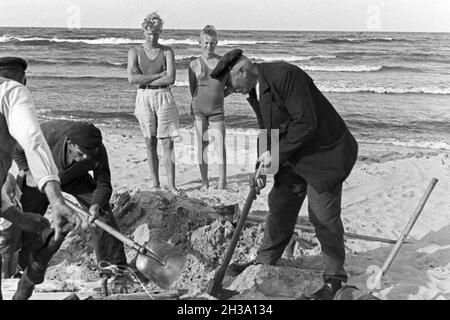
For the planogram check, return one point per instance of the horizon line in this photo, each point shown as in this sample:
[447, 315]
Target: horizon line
[267, 30]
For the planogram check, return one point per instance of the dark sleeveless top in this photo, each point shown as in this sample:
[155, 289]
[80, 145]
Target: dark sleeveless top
[148, 66]
[209, 97]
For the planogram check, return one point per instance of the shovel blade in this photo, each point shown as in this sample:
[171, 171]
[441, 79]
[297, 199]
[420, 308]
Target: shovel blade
[164, 275]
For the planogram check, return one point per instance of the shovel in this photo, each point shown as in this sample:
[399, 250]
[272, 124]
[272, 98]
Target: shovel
[158, 261]
[215, 285]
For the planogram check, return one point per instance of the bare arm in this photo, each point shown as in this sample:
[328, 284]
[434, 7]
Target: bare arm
[171, 71]
[135, 75]
[192, 79]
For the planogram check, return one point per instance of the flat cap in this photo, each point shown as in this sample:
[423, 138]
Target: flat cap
[14, 62]
[84, 134]
[225, 64]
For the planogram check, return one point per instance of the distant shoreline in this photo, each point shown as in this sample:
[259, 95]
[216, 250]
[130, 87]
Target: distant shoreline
[235, 30]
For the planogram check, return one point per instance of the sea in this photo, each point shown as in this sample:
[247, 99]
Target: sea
[390, 88]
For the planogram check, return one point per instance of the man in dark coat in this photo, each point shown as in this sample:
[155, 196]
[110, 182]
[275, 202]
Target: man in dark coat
[316, 153]
[77, 149]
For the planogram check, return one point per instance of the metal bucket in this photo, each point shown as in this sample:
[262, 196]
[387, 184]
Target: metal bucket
[353, 293]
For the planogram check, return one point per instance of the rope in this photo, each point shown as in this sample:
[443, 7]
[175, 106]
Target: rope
[119, 269]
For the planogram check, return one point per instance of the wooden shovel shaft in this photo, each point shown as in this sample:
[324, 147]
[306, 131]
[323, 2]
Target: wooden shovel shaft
[116, 234]
[407, 229]
[220, 274]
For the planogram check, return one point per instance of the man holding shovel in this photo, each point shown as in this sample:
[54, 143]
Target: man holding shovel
[316, 154]
[77, 149]
[19, 126]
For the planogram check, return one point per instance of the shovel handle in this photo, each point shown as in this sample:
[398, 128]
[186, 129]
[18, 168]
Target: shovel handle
[116, 234]
[406, 231]
[220, 273]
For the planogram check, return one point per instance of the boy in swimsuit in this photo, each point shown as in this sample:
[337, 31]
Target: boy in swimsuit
[152, 67]
[207, 105]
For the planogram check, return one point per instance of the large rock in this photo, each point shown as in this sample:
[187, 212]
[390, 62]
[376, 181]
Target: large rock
[273, 281]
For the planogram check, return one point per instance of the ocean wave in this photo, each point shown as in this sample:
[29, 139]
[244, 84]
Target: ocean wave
[437, 145]
[356, 40]
[120, 41]
[291, 58]
[77, 62]
[385, 90]
[325, 87]
[182, 61]
[181, 83]
[357, 68]
[43, 41]
[243, 42]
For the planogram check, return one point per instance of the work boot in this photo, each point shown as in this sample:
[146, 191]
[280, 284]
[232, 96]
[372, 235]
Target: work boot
[328, 290]
[104, 286]
[118, 284]
[24, 288]
[236, 269]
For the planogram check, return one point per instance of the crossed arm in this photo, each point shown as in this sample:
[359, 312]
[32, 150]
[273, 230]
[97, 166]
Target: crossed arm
[135, 75]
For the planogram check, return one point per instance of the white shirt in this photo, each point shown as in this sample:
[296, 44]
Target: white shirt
[257, 89]
[17, 106]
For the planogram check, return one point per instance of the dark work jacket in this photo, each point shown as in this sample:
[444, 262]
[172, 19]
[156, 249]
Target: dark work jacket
[77, 172]
[313, 139]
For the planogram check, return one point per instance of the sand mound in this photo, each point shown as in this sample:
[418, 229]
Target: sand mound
[196, 228]
[378, 199]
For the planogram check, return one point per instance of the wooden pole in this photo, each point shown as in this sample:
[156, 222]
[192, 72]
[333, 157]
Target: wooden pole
[412, 220]
[116, 234]
[346, 234]
[215, 285]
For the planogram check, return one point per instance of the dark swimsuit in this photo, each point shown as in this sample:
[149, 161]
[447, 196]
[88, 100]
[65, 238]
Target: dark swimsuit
[208, 99]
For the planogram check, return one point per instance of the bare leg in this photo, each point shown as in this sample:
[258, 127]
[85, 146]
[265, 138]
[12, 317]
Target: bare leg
[201, 126]
[9, 268]
[219, 131]
[153, 161]
[169, 164]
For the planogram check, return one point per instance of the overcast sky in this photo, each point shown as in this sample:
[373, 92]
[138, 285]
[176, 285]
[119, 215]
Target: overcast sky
[334, 15]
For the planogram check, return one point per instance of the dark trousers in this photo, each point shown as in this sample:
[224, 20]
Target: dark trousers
[285, 200]
[106, 247]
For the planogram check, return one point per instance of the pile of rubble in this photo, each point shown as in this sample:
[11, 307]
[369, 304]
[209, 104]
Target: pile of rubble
[201, 231]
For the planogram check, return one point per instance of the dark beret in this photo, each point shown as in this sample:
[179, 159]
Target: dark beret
[225, 64]
[13, 62]
[87, 136]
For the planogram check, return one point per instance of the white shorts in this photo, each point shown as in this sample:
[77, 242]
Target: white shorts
[157, 113]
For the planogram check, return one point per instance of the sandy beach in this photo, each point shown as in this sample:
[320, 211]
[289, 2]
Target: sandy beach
[378, 199]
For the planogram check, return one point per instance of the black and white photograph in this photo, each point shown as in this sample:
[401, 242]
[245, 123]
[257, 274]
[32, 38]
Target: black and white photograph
[225, 152]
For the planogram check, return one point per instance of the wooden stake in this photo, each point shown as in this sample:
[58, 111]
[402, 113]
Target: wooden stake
[412, 220]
